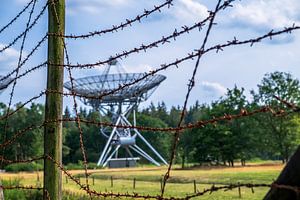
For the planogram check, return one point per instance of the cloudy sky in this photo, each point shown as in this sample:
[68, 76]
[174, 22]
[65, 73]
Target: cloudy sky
[243, 66]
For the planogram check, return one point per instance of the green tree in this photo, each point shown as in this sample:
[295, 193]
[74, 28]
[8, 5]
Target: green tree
[281, 131]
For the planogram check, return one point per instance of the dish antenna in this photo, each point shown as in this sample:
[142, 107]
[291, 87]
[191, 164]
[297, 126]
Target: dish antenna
[4, 83]
[119, 104]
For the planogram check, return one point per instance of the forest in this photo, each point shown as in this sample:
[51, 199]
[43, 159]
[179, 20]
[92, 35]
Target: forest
[262, 136]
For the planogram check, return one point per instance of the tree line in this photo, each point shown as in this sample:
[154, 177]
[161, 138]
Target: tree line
[263, 136]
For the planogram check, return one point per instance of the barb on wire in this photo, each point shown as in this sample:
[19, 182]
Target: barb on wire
[17, 71]
[27, 29]
[163, 40]
[198, 124]
[115, 28]
[196, 53]
[21, 161]
[42, 65]
[75, 105]
[22, 106]
[290, 105]
[26, 188]
[26, 58]
[190, 87]
[16, 17]
[19, 134]
[192, 55]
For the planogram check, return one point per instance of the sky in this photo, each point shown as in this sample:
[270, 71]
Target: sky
[243, 66]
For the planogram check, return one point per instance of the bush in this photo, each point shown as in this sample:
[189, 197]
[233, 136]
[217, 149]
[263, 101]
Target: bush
[74, 166]
[20, 194]
[29, 167]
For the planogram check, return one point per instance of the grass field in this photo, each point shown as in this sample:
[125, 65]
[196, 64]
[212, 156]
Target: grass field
[180, 183]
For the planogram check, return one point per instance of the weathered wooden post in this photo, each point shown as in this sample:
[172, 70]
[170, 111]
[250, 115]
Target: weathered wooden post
[1, 192]
[53, 107]
[134, 183]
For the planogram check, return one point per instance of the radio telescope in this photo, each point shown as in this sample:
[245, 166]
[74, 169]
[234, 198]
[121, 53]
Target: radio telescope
[4, 83]
[119, 105]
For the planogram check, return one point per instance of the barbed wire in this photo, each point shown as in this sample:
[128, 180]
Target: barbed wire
[198, 124]
[16, 17]
[190, 56]
[177, 130]
[17, 71]
[189, 90]
[21, 161]
[27, 29]
[115, 28]
[26, 188]
[288, 104]
[31, 53]
[75, 105]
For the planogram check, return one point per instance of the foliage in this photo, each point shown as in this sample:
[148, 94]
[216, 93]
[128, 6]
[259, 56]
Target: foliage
[20, 194]
[28, 167]
[262, 136]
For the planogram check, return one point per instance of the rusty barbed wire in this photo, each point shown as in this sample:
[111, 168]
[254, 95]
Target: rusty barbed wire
[191, 55]
[198, 124]
[75, 106]
[115, 28]
[21, 161]
[189, 90]
[26, 58]
[27, 29]
[288, 104]
[17, 72]
[26, 188]
[195, 54]
[240, 185]
[210, 190]
[19, 134]
[163, 40]
[16, 17]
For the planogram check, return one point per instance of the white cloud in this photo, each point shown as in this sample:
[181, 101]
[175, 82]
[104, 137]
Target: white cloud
[8, 57]
[142, 68]
[213, 89]
[22, 1]
[267, 13]
[190, 10]
[8, 54]
[93, 6]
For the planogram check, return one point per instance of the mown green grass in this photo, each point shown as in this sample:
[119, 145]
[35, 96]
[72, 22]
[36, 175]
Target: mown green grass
[179, 185]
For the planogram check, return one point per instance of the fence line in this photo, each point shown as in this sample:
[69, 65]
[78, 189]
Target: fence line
[115, 28]
[16, 17]
[196, 54]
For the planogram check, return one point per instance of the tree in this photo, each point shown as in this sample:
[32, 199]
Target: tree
[281, 131]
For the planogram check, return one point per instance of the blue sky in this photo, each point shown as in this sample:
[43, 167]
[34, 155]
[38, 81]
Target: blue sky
[242, 66]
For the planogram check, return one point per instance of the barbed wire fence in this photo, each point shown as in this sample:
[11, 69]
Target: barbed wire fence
[14, 75]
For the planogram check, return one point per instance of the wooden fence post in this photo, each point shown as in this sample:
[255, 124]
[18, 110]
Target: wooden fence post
[195, 187]
[161, 184]
[53, 106]
[134, 183]
[111, 182]
[1, 192]
[240, 194]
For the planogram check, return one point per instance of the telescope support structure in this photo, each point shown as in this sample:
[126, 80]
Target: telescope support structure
[124, 135]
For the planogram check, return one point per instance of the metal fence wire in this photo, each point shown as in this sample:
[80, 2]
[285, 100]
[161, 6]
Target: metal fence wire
[205, 25]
